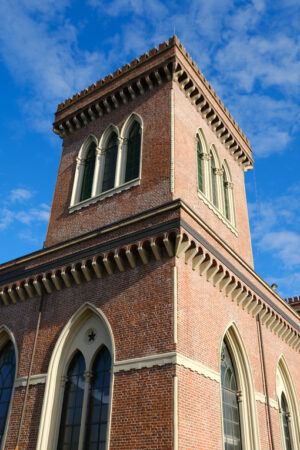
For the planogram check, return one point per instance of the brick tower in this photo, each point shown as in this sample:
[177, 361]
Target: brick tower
[141, 323]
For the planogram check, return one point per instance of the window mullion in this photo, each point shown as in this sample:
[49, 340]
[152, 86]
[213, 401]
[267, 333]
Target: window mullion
[97, 173]
[88, 376]
[119, 165]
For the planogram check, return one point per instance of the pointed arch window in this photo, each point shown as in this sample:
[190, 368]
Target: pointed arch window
[200, 166]
[226, 197]
[88, 174]
[133, 152]
[285, 422]
[230, 406]
[72, 404]
[96, 426]
[288, 408]
[7, 377]
[110, 163]
[213, 180]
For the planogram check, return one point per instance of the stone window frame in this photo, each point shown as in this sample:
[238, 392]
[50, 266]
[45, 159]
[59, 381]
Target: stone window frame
[246, 392]
[206, 194]
[285, 385]
[72, 339]
[6, 335]
[119, 184]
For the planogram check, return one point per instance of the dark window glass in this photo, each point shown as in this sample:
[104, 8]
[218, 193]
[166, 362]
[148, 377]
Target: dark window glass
[110, 162]
[7, 376]
[96, 426]
[213, 180]
[88, 174]
[133, 153]
[72, 405]
[225, 189]
[200, 168]
[285, 423]
[230, 407]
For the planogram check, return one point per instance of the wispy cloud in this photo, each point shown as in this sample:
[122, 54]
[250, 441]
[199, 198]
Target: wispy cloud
[275, 232]
[18, 208]
[44, 54]
[19, 195]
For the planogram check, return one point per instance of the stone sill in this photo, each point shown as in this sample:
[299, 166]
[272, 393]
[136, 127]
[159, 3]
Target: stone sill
[218, 213]
[106, 194]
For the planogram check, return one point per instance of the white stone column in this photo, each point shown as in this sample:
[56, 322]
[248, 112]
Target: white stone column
[87, 376]
[219, 188]
[205, 157]
[121, 161]
[229, 186]
[75, 197]
[97, 181]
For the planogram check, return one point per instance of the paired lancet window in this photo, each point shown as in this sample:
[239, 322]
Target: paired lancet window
[85, 405]
[214, 180]
[230, 405]
[240, 429]
[113, 162]
[288, 408]
[7, 378]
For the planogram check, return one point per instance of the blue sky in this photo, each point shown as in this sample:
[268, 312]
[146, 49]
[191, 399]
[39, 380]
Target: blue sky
[248, 50]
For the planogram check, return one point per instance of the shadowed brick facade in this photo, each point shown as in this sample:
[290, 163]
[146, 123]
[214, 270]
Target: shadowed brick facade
[157, 266]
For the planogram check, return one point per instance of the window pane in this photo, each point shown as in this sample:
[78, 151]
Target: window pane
[110, 162]
[72, 405]
[88, 174]
[98, 402]
[200, 168]
[213, 179]
[285, 424]
[133, 153]
[225, 190]
[230, 406]
[7, 376]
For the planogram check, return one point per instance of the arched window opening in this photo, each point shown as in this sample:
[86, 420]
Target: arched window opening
[72, 404]
[226, 197]
[110, 162]
[98, 408]
[213, 179]
[285, 423]
[133, 153]
[88, 174]
[7, 377]
[230, 406]
[199, 166]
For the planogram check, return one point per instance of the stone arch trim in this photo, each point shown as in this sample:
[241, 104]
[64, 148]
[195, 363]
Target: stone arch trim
[111, 128]
[79, 171]
[134, 117]
[285, 385]
[248, 412]
[52, 404]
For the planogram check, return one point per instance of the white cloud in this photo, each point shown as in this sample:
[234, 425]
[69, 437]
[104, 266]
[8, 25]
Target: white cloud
[44, 55]
[6, 218]
[283, 244]
[19, 195]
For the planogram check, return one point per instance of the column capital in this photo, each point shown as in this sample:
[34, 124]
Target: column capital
[205, 156]
[80, 161]
[88, 376]
[229, 184]
[239, 396]
[218, 171]
[63, 380]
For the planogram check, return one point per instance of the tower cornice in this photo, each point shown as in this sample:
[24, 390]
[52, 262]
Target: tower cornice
[169, 63]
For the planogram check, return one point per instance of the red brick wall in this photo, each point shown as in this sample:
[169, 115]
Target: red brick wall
[204, 313]
[187, 123]
[154, 109]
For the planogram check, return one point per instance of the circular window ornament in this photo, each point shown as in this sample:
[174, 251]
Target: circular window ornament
[90, 336]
